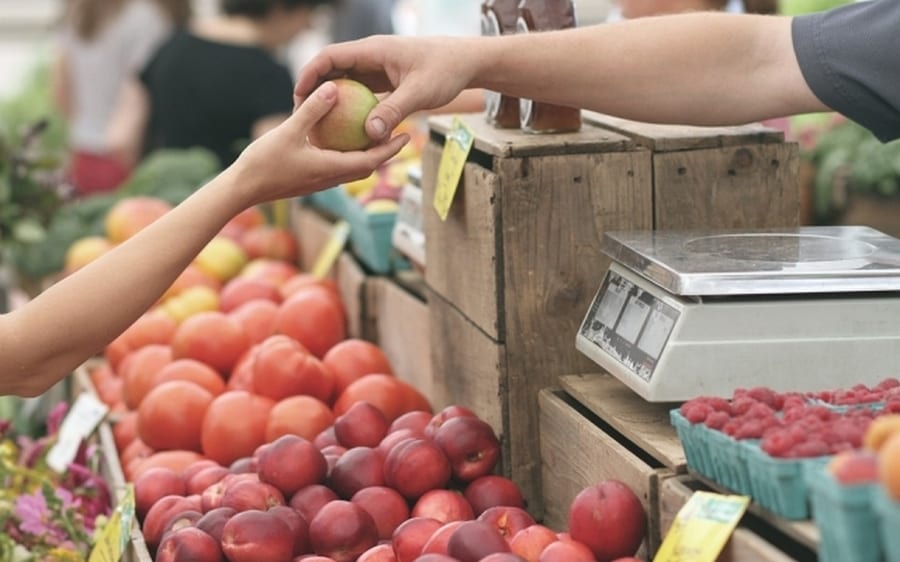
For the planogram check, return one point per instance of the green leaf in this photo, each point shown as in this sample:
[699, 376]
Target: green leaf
[29, 231]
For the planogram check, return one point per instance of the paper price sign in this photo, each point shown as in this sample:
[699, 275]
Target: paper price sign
[702, 528]
[453, 160]
[80, 422]
[333, 248]
[113, 538]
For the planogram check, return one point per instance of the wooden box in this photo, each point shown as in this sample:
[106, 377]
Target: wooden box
[513, 269]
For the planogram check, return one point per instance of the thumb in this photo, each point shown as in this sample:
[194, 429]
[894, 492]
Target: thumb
[390, 111]
[315, 106]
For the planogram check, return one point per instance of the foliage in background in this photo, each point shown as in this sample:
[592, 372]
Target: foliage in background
[850, 157]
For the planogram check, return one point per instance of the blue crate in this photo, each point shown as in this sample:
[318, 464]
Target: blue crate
[332, 200]
[846, 518]
[888, 512]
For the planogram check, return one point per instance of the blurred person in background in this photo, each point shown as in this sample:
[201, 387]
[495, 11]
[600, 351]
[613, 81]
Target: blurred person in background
[631, 9]
[355, 19]
[216, 84]
[101, 44]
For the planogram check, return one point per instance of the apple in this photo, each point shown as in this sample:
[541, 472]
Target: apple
[473, 540]
[189, 543]
[290, 463]
[416, 466]
[363, 425]
[309, 500]
[492, 490]
[443, 505]
[531, 541]
[343, 128]
[342, 530]
[448, 413]
[386, 506]
[410, 537]
[213, 522]
[251, 536]
[155, 483]
[471, 446]
[507, 520]
[358, 468]
[609, 519]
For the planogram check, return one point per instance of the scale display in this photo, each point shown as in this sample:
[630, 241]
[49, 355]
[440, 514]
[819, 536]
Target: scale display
[682, 314]
[630, 324]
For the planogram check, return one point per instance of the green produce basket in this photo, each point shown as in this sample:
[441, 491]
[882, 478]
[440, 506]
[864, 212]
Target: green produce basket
[779, 485]
[693, 440]
[888, 512]
[332, 200]
[846, 518]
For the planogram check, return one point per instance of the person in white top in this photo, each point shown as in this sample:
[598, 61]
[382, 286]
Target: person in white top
[101, 44]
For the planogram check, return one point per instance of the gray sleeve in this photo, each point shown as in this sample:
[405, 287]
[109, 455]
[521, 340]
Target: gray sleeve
[850, 57]
[146, 27]
[355, 19]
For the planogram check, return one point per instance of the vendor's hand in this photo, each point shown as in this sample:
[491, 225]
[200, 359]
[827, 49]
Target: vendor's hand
[418, 74]
[282, 163]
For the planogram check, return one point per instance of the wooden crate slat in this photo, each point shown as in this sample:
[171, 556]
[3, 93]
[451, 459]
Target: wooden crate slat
[668, 138]
[645, 423]
[513, 142]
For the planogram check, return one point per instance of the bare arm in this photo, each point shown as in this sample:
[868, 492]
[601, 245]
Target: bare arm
[51, 335]
[61, 85]
[699, 69]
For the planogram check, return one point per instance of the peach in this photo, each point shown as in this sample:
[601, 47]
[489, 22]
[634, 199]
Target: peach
[566, 551]
[609, 519]
[386, 506]
[189, 543]
[180, 521]
[363, 425]
[213, 522]
[433, 557]
[244, 496]
[271, 242]
[471, 446]
[448, 413]
[378, 553]
[531, 541]
[309, 500]
[83, 251]
[414, 421]
[276, 271]
[502, 557]
[358, 468]
[492, 490]
[342, 530]
[252, 536]
[202, 480]
[439, 540]
[507, 520]
[163, 510]
[415, 466]
[131, 214]
[213, 338]
[410, 537]
[394, 438]
[257, 318]
[325, 438]
[343, 127]
[156, 483]
[290, 463]
[473, 540]
[443, 505]
[299, 527]
[242, 290]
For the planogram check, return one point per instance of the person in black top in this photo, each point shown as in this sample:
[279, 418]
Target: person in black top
[216, 84]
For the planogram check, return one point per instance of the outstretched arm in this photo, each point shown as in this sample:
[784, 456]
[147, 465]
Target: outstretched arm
[698, 69]
[74, 319]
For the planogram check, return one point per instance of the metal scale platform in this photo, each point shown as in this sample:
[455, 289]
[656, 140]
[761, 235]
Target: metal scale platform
[684, 314]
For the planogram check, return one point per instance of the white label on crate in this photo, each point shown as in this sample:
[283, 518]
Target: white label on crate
[82, 419]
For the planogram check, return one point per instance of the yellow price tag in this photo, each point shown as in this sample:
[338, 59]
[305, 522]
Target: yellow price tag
[702, 528]
[332, 250]
[114, 536]
[453, 160]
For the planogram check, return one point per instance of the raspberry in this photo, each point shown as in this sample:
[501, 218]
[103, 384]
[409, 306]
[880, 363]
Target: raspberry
[731, 427]
[717, 420]
[892, 407]
[696, 413]
[888, 384]
[811, 448]
[763, 394]
[820, 412]
[777, 444]
[761, 411]
[752, 429]
[794, 414]
[741, 405]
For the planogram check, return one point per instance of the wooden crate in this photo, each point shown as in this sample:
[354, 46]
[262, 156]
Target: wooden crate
[748, 543]
[399, 316]
[313, 230]
[516, 264]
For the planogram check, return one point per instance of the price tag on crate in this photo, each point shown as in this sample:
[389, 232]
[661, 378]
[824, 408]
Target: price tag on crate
[332, 249]
[453, 159]
[114, 536]
[80, 422]
[702, 528]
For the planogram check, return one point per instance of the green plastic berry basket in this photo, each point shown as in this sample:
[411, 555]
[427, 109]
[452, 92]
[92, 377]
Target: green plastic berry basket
[331, 200]
[693, 439]
[730, 461]
[888, 512]
[779, 485]
[846, 518]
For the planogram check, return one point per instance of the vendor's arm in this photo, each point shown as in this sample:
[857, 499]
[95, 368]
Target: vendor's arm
[51, 335]
[701, 69]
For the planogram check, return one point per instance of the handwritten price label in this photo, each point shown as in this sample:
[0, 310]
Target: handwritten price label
[114, 536]
[702, 527]
[453, 159]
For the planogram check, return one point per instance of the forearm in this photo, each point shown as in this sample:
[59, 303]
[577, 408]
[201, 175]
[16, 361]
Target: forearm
[700, 69]
[78, 316]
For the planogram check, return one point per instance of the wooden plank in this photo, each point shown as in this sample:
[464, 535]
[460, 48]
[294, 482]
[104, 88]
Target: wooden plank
[746, 186]
[506, 143]
[351, 280]
[576, 453]
[402, 330]
[555, 210]
[668, 138]
[744, 545]
[312, 231]
[463, 253]
[646, 424]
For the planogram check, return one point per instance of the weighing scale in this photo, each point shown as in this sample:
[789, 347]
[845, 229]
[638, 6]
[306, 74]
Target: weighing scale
[685, 314]
[408, 236]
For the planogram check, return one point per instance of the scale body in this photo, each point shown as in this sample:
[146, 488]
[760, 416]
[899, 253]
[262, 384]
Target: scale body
[408, 236]
[685, 314]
